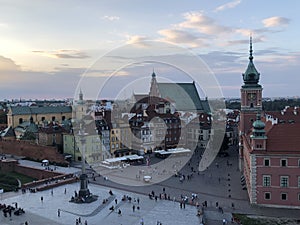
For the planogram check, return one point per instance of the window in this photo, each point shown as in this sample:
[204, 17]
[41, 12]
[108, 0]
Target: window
[283, 162]
[267, 195]
[299, 182]
[266, 162]
[298, 196]
[284, 181]
[283, 196]
[266, 180]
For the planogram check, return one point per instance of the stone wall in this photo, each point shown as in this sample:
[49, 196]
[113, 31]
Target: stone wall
[35, 173]
[31, 151]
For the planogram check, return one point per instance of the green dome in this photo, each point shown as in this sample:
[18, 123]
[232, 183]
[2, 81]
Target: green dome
[259, 125]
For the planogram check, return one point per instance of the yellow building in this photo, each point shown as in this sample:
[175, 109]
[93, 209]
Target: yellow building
[120, 139]
[40, 115]
[73, 145]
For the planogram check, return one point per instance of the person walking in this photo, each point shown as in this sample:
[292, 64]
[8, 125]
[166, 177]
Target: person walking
[58, 212]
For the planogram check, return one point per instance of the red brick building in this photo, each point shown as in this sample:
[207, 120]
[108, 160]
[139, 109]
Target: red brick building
[269, 147]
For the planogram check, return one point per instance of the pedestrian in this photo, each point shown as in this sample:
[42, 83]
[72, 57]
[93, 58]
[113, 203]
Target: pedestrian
[65, 190]
[217, 204]
[79, 220]
[58, 212]
[85, 222]
[116, 201]
[142, 222]
[120, 212]
[138, 200]
[133, 208]
[52, 192]
[224, 221]
[232, 205]
[42, 198]
[26, 223]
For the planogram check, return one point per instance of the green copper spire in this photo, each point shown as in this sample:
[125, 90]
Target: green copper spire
[251, 51]
[251, 76]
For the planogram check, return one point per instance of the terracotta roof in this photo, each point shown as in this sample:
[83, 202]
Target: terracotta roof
[287, 114]
[284, 137]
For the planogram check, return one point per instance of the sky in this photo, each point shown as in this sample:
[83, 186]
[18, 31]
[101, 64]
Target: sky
[48, 49]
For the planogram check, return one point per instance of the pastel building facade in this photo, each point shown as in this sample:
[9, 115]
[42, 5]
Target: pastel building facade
[269, 148]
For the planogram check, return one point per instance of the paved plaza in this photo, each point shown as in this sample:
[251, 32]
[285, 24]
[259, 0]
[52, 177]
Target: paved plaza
[219, 184]
[46, 212]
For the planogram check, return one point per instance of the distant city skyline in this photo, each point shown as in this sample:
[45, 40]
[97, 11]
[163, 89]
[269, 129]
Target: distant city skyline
[47, 46]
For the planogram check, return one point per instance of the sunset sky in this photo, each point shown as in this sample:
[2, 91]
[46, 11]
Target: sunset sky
[46, 46]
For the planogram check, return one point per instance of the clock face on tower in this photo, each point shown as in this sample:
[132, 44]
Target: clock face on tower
[252, 96]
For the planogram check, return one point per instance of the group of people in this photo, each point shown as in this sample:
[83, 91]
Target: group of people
[78, 221]
[8, 210]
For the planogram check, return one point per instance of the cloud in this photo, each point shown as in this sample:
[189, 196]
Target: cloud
[137, 40]
[3, 25]
[64, 53]
[275, 21]
[7, 64]
[181, 36]
[111, 18]
[203, 24]
[257, 39]
[228, 5]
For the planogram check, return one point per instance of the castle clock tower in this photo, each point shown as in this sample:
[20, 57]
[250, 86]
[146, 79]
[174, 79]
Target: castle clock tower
[251, 103]
[251, 95]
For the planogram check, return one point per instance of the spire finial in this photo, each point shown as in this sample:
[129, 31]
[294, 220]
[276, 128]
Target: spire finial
[80, 95]
[251, 51]
[153, 73]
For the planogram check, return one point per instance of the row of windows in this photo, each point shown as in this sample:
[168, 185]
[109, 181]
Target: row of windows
[283, 162]
[283, 196]
[43, 119]
[284, 181]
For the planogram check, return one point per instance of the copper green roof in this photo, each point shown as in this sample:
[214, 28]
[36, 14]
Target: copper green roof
[184, 95]
[30, 110]
[251, 76]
